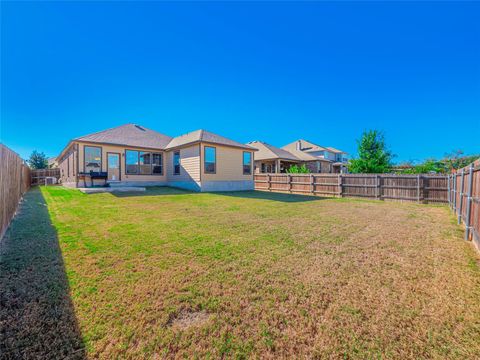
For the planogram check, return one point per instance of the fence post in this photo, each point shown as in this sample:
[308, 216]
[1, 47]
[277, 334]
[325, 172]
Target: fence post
[469, 202]
[289, 181]
[454, 176]
[340, 185]
[448, 190]
[312, 185]
[418, 188]
[268, 182]
[462, 182]
[378, 186]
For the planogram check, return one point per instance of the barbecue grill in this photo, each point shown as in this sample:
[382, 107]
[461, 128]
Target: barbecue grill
[93, 175]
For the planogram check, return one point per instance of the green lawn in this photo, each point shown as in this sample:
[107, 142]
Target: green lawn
[175, 274]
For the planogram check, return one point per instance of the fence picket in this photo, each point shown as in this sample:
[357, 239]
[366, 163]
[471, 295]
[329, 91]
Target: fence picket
[376, 186]
[14, 182]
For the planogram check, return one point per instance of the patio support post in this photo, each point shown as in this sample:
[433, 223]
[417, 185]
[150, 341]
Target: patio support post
[469, 201]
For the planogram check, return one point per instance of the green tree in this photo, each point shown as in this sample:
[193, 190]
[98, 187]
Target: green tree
[295, 169]
[426, 167]
[37, 160]
[457, 160]
[373, 155]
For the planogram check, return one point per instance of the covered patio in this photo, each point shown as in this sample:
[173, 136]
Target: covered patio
[274, 166]
[270, 159]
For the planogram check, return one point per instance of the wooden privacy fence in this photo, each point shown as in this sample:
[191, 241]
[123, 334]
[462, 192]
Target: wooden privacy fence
[39, 175]
[14, 182]
[420, 188]
[464, 199]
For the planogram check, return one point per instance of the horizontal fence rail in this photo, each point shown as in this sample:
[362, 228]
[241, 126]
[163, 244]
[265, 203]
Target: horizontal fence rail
[14, 182]
[464, 199]
[420, 188]
[39, 175]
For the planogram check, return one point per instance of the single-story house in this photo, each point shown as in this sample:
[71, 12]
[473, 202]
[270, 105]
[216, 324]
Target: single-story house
[132, 155]
[271, 159]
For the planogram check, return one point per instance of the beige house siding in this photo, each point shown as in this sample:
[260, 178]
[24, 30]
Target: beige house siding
[189, 164]
[109, 149]
[229, 167]
[68, 166]
[229, 164]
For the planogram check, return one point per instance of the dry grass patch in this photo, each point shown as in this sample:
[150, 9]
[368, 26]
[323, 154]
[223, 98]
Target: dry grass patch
[175, 274]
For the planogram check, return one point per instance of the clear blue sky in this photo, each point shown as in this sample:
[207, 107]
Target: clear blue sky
[249, 71]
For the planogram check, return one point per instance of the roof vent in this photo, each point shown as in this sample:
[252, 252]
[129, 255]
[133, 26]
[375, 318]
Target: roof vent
[299, 145]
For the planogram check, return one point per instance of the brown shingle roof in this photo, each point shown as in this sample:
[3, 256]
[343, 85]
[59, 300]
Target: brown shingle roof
[336, 151]
[204, 136]
[267, 151]
[304, 146]
[130, 135]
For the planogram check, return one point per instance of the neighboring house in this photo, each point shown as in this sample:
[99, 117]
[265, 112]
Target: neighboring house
[270, 159]
[339, 159]
[134, 155]
[314, 159]
[325, 159]
[52, 163]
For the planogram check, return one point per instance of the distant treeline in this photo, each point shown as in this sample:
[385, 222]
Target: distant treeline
[444, 166]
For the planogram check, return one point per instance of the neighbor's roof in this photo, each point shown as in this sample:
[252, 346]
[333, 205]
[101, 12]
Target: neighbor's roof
[130, 135]
[304, 146]
[267, 151]
[204, 136]
[336, 151]
[303, 154]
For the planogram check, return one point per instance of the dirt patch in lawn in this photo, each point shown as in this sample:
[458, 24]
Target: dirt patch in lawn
[188, 318]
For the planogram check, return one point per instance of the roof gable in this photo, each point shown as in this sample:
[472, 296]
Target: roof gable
[204, 136]
[336, 151]
[130, 135]
[304, 146]
[267, 151]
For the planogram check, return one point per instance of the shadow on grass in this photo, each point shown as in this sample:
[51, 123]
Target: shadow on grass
[263, 195]
[36, 312]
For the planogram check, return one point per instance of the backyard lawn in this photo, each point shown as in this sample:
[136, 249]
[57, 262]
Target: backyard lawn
[170, 273]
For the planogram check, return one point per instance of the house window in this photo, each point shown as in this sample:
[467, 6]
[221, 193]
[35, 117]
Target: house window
[247, 163]
[176, 163]
[157, 164]
[210, 159]
[143, 163]
[131, 162]
[92, 158]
